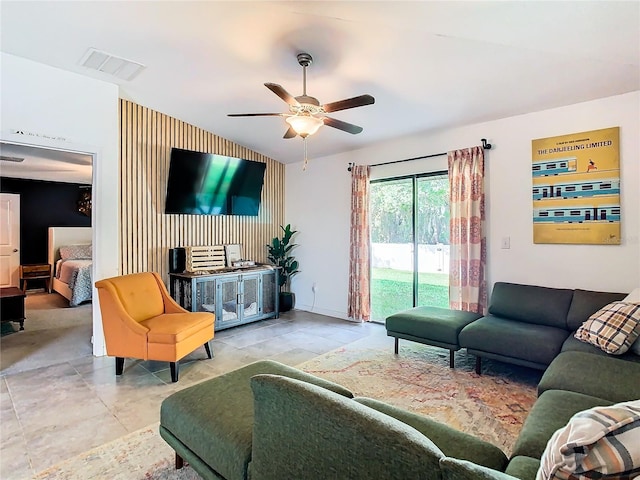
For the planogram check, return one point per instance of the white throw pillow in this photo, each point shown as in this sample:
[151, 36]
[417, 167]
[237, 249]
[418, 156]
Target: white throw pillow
[601, 442]
[633, 297]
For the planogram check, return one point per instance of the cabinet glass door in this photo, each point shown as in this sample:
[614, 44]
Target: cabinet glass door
[227, 312]
[269, 292]
[250, 297]
[206, 296]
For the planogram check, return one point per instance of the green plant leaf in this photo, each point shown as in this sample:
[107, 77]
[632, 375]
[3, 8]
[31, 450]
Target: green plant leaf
[279, 254]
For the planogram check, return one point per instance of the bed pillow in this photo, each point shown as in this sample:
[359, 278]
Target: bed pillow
[601, 442]
[68, 252]
[613, 328]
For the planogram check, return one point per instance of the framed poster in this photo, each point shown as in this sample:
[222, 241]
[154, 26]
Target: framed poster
[576, 188]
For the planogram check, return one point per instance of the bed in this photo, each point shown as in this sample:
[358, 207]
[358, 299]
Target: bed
[70, 257]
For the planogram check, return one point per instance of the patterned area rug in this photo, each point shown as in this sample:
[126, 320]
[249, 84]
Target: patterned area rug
[139, 455]
[491, 406]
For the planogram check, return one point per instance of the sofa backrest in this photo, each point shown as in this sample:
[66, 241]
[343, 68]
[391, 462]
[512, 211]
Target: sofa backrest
[585, 303]
[531, 304]
[304, 431]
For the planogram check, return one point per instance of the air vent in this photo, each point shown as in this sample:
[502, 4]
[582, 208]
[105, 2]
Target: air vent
[110, 64]
[11, 159]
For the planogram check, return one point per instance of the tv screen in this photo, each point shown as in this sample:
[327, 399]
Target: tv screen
[210, 184]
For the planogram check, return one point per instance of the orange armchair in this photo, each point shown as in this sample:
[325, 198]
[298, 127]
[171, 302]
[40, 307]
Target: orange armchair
[140, 320]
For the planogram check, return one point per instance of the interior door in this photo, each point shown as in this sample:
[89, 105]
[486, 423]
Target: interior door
[9, 239]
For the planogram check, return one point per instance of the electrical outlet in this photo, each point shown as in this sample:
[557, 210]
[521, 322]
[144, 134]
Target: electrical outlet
[314, 287]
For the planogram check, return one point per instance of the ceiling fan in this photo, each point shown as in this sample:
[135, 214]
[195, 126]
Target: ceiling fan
[306, 115]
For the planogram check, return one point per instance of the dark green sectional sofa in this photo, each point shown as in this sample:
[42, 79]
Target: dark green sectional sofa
[267, 421]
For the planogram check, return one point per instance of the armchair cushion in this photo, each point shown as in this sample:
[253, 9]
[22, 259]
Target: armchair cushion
[140, 295]
[175, 327]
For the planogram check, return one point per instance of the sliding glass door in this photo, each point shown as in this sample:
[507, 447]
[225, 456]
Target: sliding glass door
[410, 243]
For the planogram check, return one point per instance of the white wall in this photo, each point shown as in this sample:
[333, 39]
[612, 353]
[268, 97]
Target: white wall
[317, 203]
[53, 103]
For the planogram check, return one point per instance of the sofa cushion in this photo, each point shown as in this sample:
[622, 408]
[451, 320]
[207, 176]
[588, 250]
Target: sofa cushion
[552, 411]
[600, 376]
[455, 469]
[440, 325]
[585, 303]
[602, 442]
[524, 468]
[539, 344]
[572, 344]
[531, 304]
[452, 442]
[302, 431]
[613, 328]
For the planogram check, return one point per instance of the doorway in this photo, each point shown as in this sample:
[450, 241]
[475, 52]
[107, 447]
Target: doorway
[52, 186]
[409, 243]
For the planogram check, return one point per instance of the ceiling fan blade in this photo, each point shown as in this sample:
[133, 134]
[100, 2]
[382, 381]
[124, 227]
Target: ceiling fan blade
[360, 101]
[282, 93]
[291, 133]
[255, 114]
[340, 125]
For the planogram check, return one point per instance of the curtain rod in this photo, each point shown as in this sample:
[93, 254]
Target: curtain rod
[485, 145]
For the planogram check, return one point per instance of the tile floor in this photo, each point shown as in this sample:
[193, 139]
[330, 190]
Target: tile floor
[54, 410]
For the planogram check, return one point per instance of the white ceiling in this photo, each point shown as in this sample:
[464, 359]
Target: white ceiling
[429, 65]
[44, 164]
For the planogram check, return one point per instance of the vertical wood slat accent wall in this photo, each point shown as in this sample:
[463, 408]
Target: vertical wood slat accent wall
[146, 232]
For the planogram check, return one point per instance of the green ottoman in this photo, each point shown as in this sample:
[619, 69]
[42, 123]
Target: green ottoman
[430, 325]
[210, 424]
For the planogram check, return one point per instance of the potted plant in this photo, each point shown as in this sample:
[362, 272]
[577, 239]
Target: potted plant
[279, 255]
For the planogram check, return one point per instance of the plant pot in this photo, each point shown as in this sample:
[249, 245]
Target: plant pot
[286, 301]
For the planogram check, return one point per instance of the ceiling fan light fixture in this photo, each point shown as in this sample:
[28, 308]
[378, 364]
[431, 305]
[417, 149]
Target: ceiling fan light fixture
[304, 125]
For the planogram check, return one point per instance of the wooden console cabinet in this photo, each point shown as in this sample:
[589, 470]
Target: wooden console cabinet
[235, 296]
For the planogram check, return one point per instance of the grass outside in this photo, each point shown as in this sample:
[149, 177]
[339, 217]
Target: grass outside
[392, 291]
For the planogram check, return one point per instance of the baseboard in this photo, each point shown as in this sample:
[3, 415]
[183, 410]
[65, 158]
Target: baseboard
[324, 311]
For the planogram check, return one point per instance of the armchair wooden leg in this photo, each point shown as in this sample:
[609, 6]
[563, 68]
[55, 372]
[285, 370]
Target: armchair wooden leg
[478, 365]
[119, 365]
[174, 371]
[179, 462]
[207, 347]
[451, 358]
[396, 346]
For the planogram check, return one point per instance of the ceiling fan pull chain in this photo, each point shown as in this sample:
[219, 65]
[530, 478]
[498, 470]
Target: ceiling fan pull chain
[304, 142]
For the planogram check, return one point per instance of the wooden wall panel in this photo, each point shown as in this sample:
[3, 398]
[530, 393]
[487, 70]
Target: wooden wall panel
[147, 234]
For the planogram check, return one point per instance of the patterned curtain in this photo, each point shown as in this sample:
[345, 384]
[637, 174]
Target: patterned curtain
[467, 283]
[359, 302]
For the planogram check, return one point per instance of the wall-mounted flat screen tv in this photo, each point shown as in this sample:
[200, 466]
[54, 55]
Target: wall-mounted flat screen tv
[210, 184]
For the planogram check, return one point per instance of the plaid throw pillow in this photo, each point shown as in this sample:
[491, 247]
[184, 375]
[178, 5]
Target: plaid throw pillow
[599, 443]
[613, 328]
